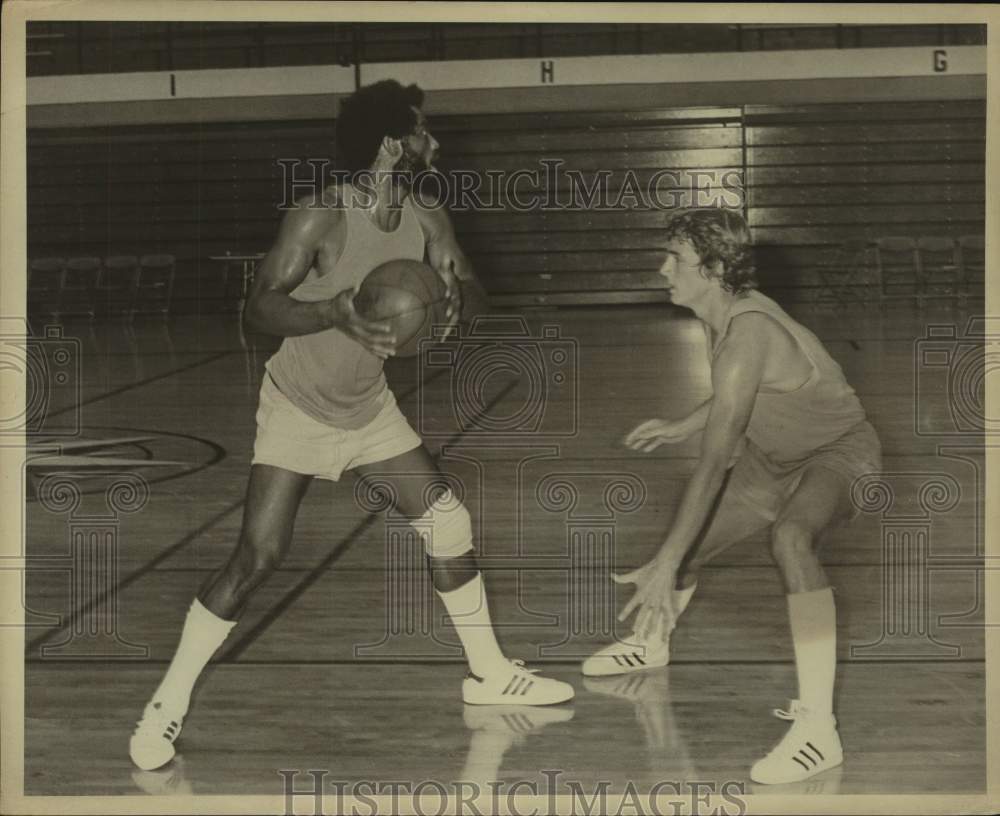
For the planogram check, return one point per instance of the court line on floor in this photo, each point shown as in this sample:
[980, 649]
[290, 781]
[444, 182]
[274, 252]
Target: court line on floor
[246, 640]
[461, 661]
[121, 390]
[504, 563]
[248, 637]
[176, 547]
[134, 576]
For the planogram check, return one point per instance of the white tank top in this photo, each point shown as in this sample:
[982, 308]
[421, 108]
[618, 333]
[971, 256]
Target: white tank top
[788, 426]
[328, 375]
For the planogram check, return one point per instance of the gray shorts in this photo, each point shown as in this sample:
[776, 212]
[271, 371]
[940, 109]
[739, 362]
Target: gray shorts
[767, 486]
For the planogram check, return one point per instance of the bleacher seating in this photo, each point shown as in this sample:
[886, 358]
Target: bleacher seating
[971, 259]
[897, 268]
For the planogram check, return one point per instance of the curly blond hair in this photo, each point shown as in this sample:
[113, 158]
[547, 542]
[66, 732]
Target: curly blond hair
[719, 235]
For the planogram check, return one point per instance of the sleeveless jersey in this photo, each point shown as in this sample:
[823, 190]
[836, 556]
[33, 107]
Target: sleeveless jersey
[327, 375]
[789, 426]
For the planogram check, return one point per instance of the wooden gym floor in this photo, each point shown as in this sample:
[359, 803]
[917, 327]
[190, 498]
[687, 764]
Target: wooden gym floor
[344, 664]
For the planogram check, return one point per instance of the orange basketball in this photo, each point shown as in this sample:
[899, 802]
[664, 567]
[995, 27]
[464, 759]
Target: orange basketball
[409, 296]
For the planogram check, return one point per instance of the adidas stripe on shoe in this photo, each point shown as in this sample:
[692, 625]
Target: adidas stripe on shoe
[515, 685]
[152, 743]
[811, 746]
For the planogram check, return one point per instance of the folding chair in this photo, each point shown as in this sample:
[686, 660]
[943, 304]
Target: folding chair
[155, 286]
[117, 284]
[45, 283]
[79, 286]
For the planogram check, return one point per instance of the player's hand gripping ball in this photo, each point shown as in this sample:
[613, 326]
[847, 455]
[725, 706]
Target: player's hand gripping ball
[409, 296]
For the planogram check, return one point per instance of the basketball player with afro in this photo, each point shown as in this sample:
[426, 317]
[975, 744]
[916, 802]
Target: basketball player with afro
[782, 409]
[325, 406]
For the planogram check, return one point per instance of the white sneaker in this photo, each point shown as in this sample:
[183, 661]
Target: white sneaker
[152, 742]
[515, 685]
[635, 653]
[811, 746]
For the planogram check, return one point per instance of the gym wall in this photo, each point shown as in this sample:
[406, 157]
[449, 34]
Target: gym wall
[814, 161]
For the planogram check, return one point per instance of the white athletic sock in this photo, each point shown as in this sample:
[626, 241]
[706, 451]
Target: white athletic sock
[813, 618]
[470, 614]
[684, 597]
[203, 634]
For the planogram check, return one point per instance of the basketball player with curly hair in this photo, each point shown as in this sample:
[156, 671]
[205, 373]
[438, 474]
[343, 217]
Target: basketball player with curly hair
[325, 407]
[799, 436]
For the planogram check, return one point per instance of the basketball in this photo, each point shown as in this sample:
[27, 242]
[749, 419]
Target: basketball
[409, 296]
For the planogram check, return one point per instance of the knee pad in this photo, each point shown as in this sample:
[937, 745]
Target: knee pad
[446, 528]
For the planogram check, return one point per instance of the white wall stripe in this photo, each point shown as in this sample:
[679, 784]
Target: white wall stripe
[55, 90]
[290, 81]
[685, 68]
[658, 69]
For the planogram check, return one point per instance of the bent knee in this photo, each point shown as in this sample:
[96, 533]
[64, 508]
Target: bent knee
[791, 538]
[260, 555]
[446, 528]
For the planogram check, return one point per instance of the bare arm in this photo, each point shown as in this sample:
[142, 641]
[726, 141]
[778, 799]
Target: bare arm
[271, 309]
[446, 256]
[698, 418]
[443, 250]
[737, 373]
[736, 378]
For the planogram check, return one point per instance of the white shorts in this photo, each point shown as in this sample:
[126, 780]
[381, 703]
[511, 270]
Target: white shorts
[290, 439]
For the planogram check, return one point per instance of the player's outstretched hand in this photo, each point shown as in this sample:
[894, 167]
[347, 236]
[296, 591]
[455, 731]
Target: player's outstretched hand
[654, 596]
[376, 337]
[652, 433]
